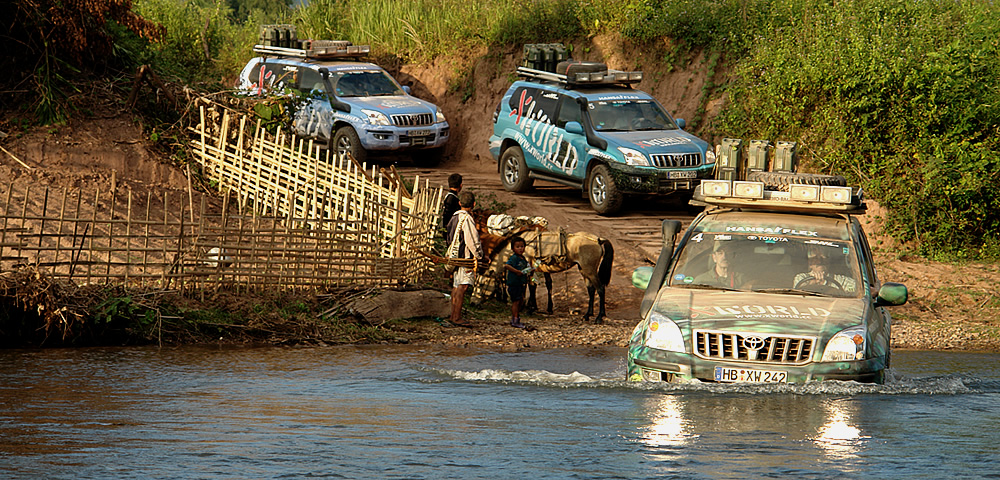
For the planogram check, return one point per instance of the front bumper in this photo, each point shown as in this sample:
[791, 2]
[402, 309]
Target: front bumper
[651, 180]
[404, 138]
[648, 364]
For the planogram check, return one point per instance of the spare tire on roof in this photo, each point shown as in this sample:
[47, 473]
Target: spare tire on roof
[781, 180]
[572, 67]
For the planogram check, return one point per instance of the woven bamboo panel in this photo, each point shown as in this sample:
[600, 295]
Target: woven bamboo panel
[292, 217]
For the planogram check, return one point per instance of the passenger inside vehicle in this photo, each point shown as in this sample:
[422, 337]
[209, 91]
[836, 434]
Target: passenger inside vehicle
[823, 273]
[722, 272]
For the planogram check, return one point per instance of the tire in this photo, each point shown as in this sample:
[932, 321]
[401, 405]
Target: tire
[346, 141]
[572, 67]
[603, 191]
[781, 180]
[514, 172]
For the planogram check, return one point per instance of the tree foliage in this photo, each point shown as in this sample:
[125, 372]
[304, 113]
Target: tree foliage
[50, 41]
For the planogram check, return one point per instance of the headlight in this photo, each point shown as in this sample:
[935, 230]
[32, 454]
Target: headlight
[709, 156]
[634, 157]
[440, 117]
[663, 334]
[376, 118]
[846, 345]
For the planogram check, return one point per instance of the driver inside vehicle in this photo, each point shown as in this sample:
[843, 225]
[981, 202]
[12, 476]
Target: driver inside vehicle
[820, 274]
[722, 273]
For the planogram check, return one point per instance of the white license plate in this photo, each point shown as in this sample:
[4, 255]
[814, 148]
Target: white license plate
[681, 175]
[419, 133]
[746, 375]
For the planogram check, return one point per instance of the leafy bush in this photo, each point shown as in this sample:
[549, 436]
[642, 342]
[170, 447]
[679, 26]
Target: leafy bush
[897, 95]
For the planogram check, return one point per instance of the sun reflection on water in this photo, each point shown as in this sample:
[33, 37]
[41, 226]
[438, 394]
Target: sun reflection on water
[668, 427]
[840, 437]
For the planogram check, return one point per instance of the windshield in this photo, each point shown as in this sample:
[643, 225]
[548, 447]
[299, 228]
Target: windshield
[628, 116]
[364, 84]
[767, 258]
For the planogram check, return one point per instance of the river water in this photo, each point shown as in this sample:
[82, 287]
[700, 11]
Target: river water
[407, 412]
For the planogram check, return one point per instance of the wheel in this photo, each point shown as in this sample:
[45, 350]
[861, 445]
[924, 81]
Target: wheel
[603, 191]
[430, 157]
[781, 180]
[346, 141]
[514, 172]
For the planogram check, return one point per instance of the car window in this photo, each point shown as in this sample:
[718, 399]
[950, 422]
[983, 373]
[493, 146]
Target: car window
[569, 111]
[534, 103]
[310, 81]
[757, 256]
[628, 115]
[364, 83]
[270, 77]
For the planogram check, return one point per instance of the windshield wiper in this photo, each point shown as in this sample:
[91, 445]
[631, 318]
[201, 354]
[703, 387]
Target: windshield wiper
[795, 291]
[702, 286]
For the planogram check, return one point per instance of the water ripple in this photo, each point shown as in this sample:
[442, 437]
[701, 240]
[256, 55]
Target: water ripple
[897, 385]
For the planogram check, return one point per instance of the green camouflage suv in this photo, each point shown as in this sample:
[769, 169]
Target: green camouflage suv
[765, 286]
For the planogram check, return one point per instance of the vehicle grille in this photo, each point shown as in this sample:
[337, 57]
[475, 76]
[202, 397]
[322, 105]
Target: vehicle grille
[413, 120]
[675, 160]
[751, 347]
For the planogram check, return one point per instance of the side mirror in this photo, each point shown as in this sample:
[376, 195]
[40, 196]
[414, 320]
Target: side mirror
[406, 88]
[891, 294]
[574, 127]
[640, 277]
[670, 229]
[680, 123]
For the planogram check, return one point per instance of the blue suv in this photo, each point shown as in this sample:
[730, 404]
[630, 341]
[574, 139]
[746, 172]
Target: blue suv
[584, 126]
[355, 107]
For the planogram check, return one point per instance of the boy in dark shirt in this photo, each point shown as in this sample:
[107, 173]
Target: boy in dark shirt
[450, 203]
[518, 272]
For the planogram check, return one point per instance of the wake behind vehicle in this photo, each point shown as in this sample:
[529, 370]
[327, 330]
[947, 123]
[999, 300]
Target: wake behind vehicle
[355, 107]
[583, 125]
[765, 286]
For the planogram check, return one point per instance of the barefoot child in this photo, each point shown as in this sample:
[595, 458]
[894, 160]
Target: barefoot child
[518, 272]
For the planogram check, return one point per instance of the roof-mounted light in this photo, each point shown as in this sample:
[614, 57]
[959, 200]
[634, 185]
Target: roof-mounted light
[803, 193]
[716, 188]
[748, 189]
[835, 194]
[589, 77]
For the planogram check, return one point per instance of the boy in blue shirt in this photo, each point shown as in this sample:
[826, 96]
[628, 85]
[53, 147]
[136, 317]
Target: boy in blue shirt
[518, 271]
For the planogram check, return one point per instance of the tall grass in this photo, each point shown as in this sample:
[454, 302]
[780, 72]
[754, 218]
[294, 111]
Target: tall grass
[419, 30]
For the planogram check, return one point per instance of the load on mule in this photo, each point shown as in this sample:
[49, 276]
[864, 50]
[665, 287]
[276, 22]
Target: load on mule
[548, 252]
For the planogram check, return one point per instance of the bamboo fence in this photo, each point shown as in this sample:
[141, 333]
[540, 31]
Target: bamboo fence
[301, 219]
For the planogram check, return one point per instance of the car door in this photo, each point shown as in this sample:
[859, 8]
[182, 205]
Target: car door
[571, 154]
[313, 116]
[880, 319]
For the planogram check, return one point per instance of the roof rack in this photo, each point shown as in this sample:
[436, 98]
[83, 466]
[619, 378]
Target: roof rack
[582, 79]
[735, 193]
[317, 49]
[282, 40]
